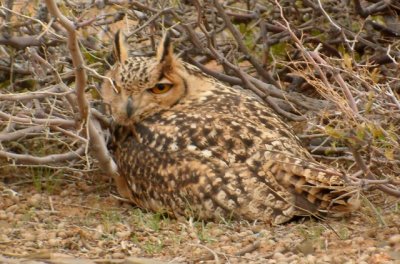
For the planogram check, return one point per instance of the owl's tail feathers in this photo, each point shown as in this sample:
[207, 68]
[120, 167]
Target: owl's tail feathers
[318, 190]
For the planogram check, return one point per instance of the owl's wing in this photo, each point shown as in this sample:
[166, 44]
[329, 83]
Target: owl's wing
[317, 189]
[186, 183]
[268, 187]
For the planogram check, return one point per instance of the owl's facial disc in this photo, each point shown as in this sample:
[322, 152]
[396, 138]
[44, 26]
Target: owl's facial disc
[142, 86]
[150, 98]
[146, 101]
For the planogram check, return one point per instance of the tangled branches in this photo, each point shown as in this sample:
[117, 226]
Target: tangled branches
[335, 78]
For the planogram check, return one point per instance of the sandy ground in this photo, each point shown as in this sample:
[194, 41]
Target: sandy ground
[77, 220]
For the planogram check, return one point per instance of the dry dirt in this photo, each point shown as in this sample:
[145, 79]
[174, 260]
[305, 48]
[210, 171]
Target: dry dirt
[77, 220]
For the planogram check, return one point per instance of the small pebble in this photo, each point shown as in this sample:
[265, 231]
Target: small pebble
[12, 208]
[215, 232]
[10, 216]
[326, 258]
[30, 244]
[97, 235]
[358, 240]
[54, 242]
[118, 255]
[224, 238]
[6, 202]
[97, 250]
[280, 248]
[123, 234]
[135, 251]
[28, 236]
[64, 193]
[35, 200]
[62, 234]
[311, 259]
[42, 235]
[4, 238]
[278, 255]
[3, 215]
[15, 198]
[293, 258]
[371, 249]
[18, 216]
[394, 240]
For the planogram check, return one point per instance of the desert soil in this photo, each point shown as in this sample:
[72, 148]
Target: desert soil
[78, 220]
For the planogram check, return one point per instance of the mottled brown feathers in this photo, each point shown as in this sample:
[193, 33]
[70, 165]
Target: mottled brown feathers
[200, 148]
[120, 48]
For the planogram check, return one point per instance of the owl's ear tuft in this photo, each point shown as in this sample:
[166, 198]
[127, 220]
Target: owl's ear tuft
[120, 47]
[165, 53]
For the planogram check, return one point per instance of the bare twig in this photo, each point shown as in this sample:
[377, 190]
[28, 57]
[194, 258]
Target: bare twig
[55, 158]
[54, 90]
[77, 58]
[53, 121]
[249, 248]
[339, 80]
[392, 96]
[20, 133]
[149, 21]
[212, 252]
[25, 41]
[97, 141]
[361, 164]
[242, 46]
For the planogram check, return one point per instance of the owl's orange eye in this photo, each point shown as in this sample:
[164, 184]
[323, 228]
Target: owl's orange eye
[161, 88]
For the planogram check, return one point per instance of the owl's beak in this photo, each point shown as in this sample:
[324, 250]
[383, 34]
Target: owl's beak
[129, 107]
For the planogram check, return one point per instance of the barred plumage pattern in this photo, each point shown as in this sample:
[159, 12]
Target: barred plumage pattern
[207, 150]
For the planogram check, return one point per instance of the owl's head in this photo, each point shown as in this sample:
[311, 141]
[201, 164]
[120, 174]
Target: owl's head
[139, 87]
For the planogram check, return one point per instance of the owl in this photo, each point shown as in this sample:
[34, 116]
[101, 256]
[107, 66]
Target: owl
[190, 146]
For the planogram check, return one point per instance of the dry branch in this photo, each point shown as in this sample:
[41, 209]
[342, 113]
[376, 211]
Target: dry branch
[57, 90]
[95, 136]
[37, 121]
[77, 59]
[352, 112]
[20, 133]
[23, 42]
[257, 65]
[55, 158]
